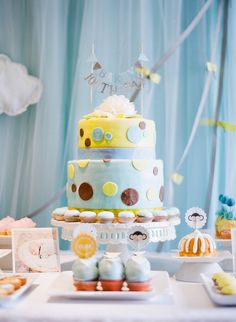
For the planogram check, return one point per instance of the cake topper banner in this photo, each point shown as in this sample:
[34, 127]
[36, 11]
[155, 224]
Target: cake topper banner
[110, 83]
[195, 217]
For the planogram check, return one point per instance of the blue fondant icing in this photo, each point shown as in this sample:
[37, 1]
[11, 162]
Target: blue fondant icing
[98, 134]
[126, 177]
[116, 153]
[134, 134]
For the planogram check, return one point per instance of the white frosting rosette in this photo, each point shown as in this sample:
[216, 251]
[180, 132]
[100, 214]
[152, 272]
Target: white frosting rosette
[115, 105]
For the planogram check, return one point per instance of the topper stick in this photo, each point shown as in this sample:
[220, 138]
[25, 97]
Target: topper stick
[92, 58]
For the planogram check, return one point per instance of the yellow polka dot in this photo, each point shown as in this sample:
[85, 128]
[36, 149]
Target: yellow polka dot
[110, 189]
[140, 165]
[83, 163]
[152, 194]
[71, 171]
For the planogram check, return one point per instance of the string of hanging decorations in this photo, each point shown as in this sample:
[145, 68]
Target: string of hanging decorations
[131, 80]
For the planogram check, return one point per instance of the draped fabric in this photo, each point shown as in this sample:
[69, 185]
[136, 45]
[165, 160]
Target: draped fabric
[53, 39]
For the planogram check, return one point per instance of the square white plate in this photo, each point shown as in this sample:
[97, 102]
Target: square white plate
[161, 290]
[7, 300]
[215, 295]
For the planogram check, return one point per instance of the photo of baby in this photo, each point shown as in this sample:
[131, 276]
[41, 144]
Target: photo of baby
[35, 250]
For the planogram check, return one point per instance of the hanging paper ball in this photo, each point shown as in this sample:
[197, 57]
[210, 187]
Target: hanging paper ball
[229, 216]
[224, 200]
[230, 202]
[221, 196]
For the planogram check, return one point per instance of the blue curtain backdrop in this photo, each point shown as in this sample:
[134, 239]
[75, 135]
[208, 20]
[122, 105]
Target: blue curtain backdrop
[53, 39]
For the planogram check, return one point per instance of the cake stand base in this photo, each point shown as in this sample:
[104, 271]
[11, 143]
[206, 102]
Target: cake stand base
[191, 272]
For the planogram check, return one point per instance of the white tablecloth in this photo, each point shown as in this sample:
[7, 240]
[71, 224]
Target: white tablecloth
[190, 303]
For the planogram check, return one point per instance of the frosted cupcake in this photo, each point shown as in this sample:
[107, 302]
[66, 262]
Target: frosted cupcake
[5, 225]
[173, 214]
[111, 272]
[85, 274]
[58, 213]
[24, 223]
[125, 217]
[106, 217]
[138, 273]
[88, 216]
[144, 216]
[72, 215]
[160, 215]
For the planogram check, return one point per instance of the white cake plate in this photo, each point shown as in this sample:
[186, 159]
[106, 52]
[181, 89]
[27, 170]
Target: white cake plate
[115, 236]
[192, 267]
[117, 233]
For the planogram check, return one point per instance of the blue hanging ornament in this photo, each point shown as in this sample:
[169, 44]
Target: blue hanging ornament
[221, 196]
[230, 202]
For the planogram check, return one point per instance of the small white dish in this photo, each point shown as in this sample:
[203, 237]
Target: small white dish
[161, 290]
[7, 300]
[215, 295]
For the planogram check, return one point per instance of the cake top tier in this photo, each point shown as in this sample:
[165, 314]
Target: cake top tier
[115, 124]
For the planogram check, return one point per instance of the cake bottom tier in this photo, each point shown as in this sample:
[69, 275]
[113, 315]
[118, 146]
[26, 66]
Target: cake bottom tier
[115, 184]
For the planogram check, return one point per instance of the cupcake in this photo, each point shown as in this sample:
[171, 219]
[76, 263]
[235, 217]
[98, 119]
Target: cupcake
[72, 215]
[88, 216]
[85, 274]
[106, 217]
[58, 213]
[5, 225]
[138, 273]
[111, 272]
[160, 215]
[24, 223]
[125, 217]
[144, 216]
[173, 214]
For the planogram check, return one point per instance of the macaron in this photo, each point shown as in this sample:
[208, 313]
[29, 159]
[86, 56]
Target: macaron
[144, 216]
[126, 217]
[88, 216]
[72, 215]
[106, 217]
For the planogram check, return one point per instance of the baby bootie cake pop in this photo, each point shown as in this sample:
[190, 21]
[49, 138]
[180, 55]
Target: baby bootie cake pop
[85, 274]
[225, 219]
[138, 273]
[111, 272]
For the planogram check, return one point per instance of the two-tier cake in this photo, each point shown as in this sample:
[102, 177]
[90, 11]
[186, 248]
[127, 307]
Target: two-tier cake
[117, 172]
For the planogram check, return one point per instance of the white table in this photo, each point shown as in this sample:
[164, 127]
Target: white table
[191, 303]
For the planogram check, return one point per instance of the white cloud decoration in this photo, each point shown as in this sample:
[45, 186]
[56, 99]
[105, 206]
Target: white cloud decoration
[18, 89]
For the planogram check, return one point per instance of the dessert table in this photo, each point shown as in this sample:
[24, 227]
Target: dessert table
[190, 303]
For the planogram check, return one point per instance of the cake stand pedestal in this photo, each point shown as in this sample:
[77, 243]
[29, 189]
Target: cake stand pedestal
[115, 236]
[193, 267]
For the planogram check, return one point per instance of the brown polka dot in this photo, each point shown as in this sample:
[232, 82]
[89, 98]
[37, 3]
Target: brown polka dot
[87, 142]
[81, 132]
[155, 171]
[130, 197]
[142, 125]
[85, 191]
[161, 193]
[106, 160]
[73, 188]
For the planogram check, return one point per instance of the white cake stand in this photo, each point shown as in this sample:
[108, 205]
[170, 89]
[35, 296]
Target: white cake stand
[192, 267]
[115, 236]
